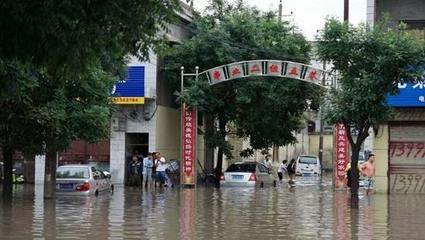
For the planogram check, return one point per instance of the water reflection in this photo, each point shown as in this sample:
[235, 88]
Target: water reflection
[311, 210]
[187, 214]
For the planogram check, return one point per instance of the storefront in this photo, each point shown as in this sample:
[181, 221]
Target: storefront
[406, 140]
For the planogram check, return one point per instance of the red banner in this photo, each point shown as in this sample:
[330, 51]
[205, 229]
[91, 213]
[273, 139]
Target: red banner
[188, 163]
[341, 156]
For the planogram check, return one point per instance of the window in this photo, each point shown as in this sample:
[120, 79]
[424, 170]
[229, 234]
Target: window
[241, 167]
[72, 172]
[262, 168]
[308, 160]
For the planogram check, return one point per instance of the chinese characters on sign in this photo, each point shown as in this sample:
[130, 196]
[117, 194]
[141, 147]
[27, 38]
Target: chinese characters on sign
[236, 71]
[341, 156]
[131, 90]
[411, 94]
[188, 145]
[273, 68]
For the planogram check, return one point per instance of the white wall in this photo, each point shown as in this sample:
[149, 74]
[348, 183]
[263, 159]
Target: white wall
[136, 125]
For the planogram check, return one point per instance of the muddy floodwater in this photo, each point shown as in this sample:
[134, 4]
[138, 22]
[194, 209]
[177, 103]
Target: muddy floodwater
[311, 210]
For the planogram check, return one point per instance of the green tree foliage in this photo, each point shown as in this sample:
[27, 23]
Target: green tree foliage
[267, 110]
[369, 63]
[58, 62]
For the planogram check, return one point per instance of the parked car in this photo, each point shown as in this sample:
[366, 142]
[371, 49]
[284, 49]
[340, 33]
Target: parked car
[308, 165]
[82, 180]
[247, 174]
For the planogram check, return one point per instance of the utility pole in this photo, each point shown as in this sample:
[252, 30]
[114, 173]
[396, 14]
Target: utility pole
[321, 126]
[280, 10]
[346, 9]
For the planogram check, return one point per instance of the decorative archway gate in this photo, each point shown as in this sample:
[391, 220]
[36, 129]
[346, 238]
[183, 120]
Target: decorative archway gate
[231, 71]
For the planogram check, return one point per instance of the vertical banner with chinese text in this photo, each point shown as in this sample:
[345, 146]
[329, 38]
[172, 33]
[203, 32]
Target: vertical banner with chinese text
[189, 131]
[341, 156]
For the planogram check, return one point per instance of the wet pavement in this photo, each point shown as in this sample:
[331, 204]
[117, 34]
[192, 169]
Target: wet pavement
[311, 210]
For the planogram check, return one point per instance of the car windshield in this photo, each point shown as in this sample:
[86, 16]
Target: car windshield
[308, 160]
[241, 167]
[72, 172]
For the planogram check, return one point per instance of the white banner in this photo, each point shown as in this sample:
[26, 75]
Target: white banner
[293, 70]
[236, 70]
[255, 68]
[216, 75]
[313, 75]
[274, 68]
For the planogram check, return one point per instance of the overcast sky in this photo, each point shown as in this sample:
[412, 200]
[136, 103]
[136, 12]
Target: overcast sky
[308, 15]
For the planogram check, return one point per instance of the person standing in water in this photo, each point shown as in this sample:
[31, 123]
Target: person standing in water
[291, 171]
[368, 170]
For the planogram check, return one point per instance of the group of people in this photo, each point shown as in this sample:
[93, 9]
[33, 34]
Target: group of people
[366, 169]
[288, 168]
[284, 168]
[147, 171]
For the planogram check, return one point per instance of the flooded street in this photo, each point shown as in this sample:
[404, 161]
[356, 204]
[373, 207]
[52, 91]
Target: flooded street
[311, 210]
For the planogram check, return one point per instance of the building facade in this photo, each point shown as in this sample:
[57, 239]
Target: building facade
[147, 117]
[399, 144]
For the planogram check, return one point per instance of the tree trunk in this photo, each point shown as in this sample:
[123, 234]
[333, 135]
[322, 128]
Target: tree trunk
[218, 168]
[50, 174]
[209, 152]
[355, 176]
[8, 171]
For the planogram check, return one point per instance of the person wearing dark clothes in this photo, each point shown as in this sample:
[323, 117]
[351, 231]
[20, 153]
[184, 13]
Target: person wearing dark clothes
[291, 171]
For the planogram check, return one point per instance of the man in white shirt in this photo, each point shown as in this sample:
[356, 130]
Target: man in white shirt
[160, 169]
[268, 164]
[282, 169]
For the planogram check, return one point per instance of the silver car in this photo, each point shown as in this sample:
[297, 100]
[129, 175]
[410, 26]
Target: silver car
[81, 180]
[247, 174]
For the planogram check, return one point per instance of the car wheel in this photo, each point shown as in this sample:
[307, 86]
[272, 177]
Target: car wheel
[261, 185]
[274, 183]
[96, 193]
[112, 188]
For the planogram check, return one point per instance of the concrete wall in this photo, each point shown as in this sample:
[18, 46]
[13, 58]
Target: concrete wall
[168, 132]
[168, 136]
[401, 9]
[327, 148]
[117, 142]
[381, 152]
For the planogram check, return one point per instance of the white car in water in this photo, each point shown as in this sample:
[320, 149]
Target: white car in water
[247, 174]
[308, 165]
[82, 180]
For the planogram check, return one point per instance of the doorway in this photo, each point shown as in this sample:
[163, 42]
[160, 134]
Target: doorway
[135, 142]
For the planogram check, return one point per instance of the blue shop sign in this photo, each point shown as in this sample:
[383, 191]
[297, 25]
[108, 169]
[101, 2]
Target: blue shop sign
[132, 89]
[410, 95]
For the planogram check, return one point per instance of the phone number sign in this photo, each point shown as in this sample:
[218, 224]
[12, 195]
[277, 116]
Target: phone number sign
[189, 131]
